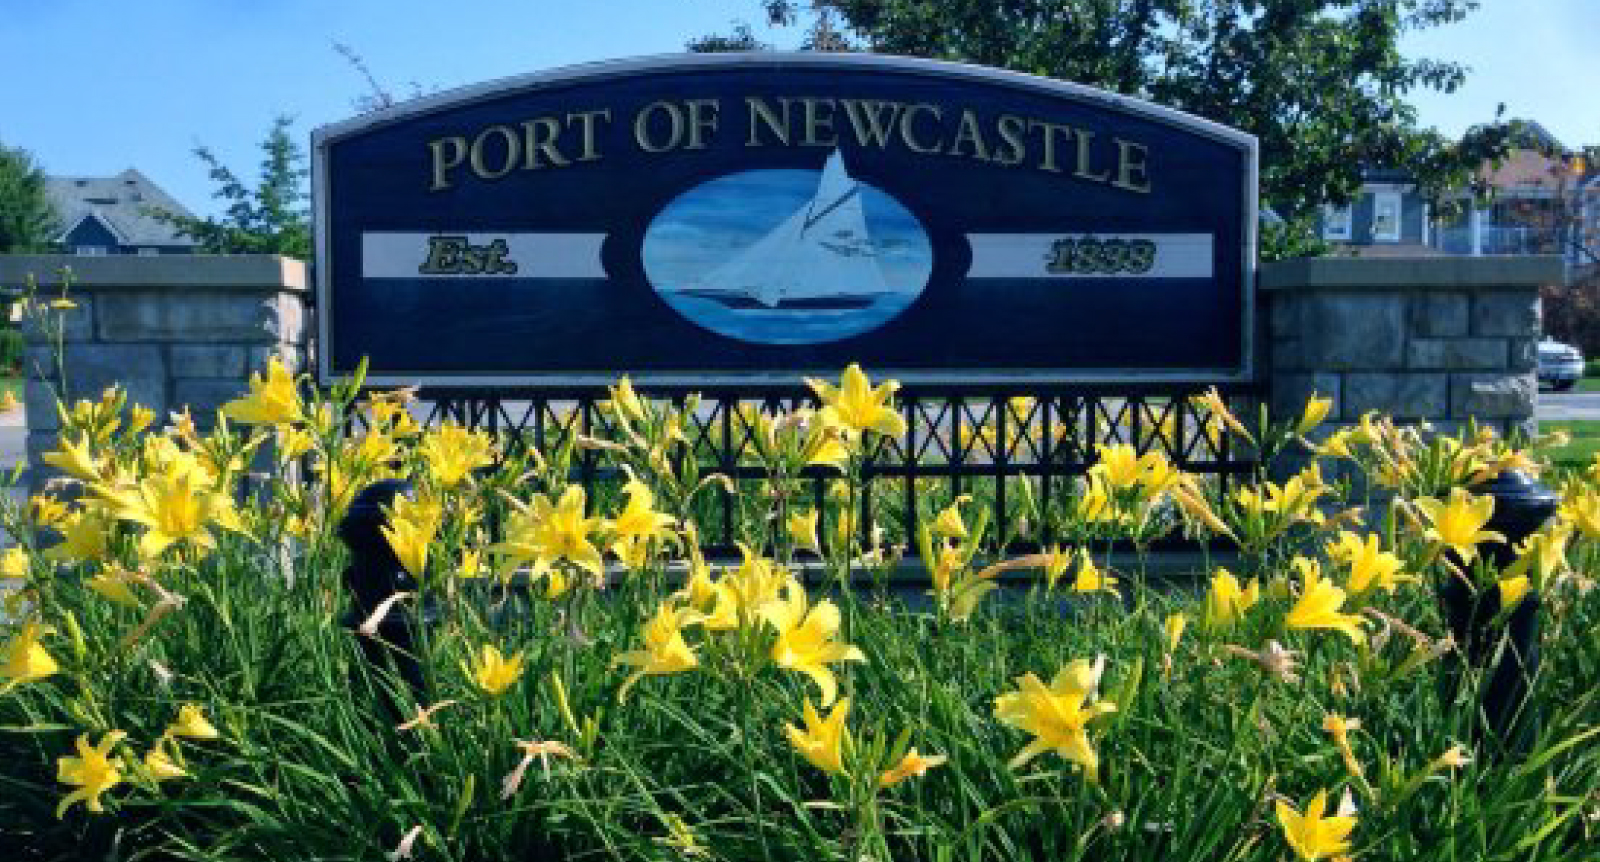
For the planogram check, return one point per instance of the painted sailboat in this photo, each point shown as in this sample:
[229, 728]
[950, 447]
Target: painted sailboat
[819, 258]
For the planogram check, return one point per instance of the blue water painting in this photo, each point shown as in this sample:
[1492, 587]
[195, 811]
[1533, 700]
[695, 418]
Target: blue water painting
[787, 256]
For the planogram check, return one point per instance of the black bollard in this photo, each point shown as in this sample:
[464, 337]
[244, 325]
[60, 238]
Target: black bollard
[375, 574]
[1521, 506]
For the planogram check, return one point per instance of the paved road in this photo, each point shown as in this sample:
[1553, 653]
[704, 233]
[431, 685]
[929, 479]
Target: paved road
[1573, 405]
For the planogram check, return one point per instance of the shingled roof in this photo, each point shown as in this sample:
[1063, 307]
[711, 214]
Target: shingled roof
[122, 203]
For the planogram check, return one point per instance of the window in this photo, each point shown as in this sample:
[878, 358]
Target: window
[149, 252]
[91, 250]
[1336, 223]
[1386, 217]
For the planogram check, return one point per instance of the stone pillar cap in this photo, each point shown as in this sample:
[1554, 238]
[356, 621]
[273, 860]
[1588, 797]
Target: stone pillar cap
[1442, 272]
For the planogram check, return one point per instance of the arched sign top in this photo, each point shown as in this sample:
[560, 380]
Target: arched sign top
[722, 218]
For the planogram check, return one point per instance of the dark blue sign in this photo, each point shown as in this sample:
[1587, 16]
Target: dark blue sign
[723, 218]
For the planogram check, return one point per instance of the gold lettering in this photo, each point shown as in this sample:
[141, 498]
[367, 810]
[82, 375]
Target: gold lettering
[867, 118]
[540, 136]
[968, 132]
[1012, 128]
[444, 255]
[1086, 158]
[701, 121]
[443, 164]
[760, 110]
[817, 121]
[641, 127]
[512, 145]
[1130, 162]
[1048, 162]
[908, 119]
[586, 123]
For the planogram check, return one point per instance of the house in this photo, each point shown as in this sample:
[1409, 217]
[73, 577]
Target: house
[1544, 199]
[112, 215]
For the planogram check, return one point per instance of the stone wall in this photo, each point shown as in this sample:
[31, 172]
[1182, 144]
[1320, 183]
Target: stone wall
[1440, 339]
[173, 331]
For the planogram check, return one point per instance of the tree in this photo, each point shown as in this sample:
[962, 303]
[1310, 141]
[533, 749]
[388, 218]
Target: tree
[28, 218]
[272, 218]
[1321, 83]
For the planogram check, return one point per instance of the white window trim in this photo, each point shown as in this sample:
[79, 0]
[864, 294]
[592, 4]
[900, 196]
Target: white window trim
[1337, 223]
[90, 250]
[1378, 201]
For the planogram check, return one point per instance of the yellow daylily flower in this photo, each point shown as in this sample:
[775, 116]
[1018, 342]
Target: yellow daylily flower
[175, 508]
[115, 585]
[1226, 601]
[1512, 590]
[803, 530]
[1315, 411]
[1211, 401]
[75, 459]
[273, 399]
[410, 529]
[913, 765]
[1318, 607]
[1542, 554]
[92, 771]
[1339, 728]
[24, 659]
[1173, 627]
[1371, 567]
[452, 452]
[1056, 561]
[85, 537]
[161, 767]
[949, 522]
[625, 402]
[806, 637]
[192, 723]
[823, 740]
[638, 525]
[9, 402]
[1581, 509]
[139, 418]
[1057, 715]
[1118, 466]
[14, 563]
[1311, 835]
[491, 672]
[857, 406]
[1091, 579]
[665, 651]
[1458, 523]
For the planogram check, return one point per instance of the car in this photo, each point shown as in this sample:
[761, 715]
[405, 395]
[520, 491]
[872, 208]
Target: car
[1560, 365]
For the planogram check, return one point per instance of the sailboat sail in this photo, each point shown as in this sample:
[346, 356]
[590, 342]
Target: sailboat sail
[820, 255]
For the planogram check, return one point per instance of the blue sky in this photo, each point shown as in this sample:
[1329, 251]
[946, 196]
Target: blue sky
[95, 86]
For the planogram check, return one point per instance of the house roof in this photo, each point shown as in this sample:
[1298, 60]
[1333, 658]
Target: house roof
[122, 203]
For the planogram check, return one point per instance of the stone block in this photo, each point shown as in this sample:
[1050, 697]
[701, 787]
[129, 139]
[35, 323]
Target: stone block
[40, 403]
[77, 324]
[203, 396]
[1522, 354]
[1439, 315]
[209, 360]
[140, 369]
[1510, 313]
[247, 317]
[261, 354]
[1290, 392]
[1457, 354]
[1288, 354]
[1285, 316]
[1402, 395]
[1492, 396]
[1354, 332]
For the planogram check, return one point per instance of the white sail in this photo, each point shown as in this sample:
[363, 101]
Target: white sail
[822, 250]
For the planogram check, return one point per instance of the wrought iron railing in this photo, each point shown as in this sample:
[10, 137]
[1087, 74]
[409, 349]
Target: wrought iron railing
[959, 439]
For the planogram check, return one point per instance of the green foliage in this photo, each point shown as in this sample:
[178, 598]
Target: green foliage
[28, 220]
[1322, 83]
[271, 218]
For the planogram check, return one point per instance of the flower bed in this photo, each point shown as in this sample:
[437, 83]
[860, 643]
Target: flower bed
[178, 680]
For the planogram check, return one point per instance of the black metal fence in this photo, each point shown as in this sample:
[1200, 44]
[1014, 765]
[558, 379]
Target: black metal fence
[959, 439]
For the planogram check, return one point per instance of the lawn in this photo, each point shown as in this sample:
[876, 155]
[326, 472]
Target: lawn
[1585, 439]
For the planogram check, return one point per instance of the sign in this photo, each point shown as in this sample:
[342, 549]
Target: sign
[708, 219]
